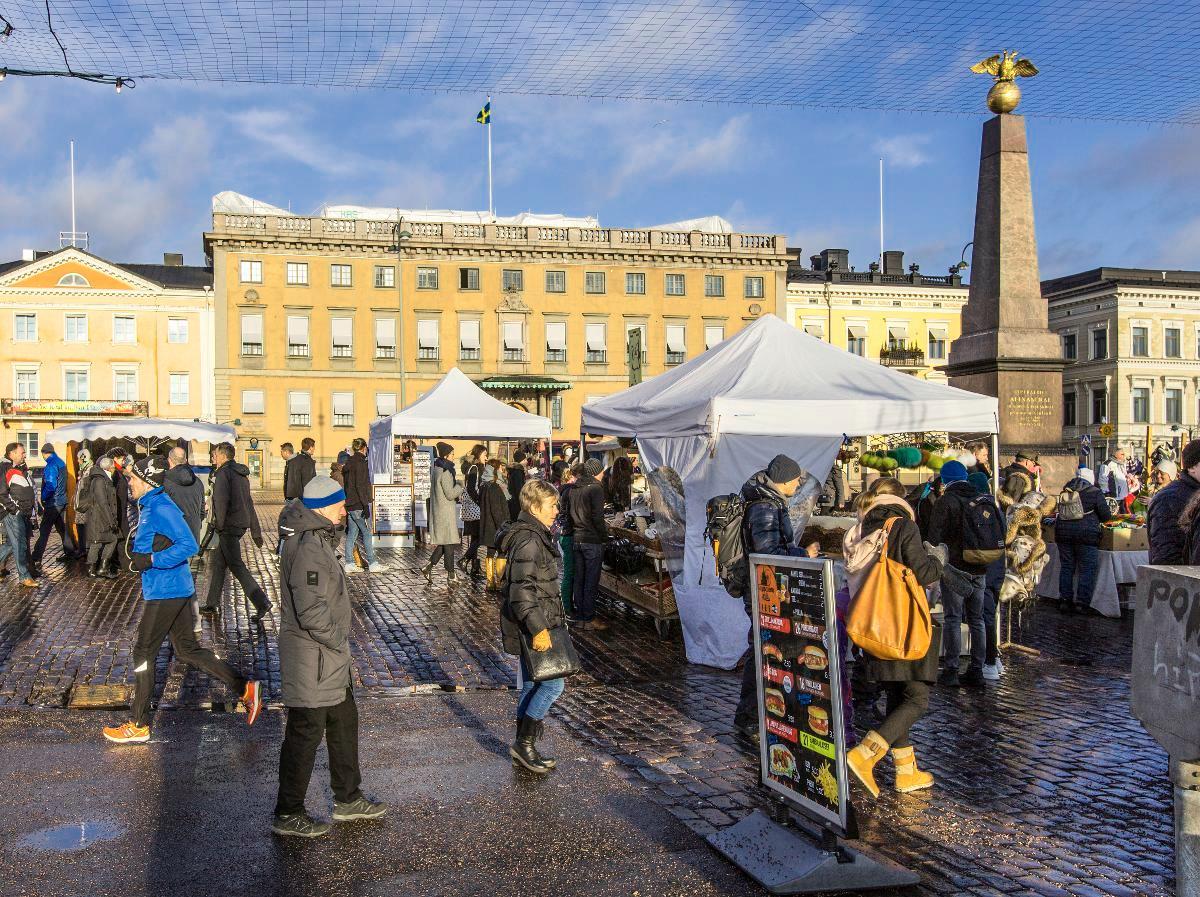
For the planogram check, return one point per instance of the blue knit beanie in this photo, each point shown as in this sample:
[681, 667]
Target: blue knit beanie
[953, 472]
[321, 492]
[981, 482]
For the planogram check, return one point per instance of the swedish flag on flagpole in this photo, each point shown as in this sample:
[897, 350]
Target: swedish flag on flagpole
[485, 118]
[485, 114]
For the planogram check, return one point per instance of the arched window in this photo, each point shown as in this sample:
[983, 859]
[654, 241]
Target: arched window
[73, 280]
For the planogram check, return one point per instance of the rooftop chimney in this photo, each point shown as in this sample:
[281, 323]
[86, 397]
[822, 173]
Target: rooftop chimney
[893, 262]
[173, 259]
[27, 255]
[835, 258]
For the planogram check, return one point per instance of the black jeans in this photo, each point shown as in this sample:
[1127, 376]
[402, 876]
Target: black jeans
[228, 556]
[305, 728]
[173, 617]
[589, 558]
[101, 554]
[907, 702]
[747, 705]
[52, 519]
[445, 554]
[991, 600]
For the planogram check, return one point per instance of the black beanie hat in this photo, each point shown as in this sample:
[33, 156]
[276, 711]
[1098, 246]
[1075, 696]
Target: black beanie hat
[783, 469]
[444, 449]
[1191, 454]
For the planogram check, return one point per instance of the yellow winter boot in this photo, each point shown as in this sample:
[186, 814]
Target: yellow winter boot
[908, 777]
[862, 760]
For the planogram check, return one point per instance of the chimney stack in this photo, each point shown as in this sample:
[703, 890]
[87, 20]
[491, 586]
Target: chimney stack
[893, 262]
[835, 258]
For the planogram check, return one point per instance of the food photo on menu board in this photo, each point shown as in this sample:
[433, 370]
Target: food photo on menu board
[798, 694]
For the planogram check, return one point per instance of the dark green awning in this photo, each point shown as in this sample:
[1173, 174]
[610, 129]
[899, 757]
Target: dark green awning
[527, 382]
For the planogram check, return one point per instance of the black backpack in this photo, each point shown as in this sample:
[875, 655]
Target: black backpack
[983, 531]
[723, 529]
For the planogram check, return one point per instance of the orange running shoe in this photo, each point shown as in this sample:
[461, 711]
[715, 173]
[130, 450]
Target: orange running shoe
[127, 733]
[252, 698]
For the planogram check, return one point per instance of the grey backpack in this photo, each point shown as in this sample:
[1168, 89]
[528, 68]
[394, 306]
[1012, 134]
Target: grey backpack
[1070, 505]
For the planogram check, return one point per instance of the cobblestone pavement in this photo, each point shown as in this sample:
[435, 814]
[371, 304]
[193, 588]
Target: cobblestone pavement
[1046, 785]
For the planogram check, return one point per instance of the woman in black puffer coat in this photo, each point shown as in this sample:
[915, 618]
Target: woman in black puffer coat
[532, 607]
[905, 683]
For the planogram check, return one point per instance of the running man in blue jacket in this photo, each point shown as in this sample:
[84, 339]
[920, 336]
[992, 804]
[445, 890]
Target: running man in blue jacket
[161, 549]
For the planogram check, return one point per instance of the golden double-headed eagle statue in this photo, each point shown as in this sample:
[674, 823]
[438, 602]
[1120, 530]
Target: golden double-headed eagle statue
[1005, 67]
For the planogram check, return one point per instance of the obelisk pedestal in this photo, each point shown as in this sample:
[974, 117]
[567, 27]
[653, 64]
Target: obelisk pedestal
[1007, 349]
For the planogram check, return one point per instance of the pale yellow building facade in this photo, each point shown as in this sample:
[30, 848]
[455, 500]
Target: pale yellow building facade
[87, 339]
[326, 323]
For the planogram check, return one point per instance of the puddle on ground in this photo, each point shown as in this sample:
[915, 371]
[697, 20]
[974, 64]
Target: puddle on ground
[71, 838]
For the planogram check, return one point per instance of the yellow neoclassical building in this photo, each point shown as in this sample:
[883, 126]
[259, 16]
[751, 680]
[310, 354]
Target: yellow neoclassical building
[325, 323]
[85, 338]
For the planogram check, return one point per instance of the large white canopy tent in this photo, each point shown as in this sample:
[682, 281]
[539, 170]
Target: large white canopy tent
[150, 431]
[455, 408]
[770, 389]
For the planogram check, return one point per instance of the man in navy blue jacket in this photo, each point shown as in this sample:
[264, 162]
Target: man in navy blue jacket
[54, 503]
[161, 549]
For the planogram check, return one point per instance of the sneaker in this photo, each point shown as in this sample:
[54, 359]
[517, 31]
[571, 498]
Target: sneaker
[29, 582]
[351, 568]
[992, 671]
[972, 679]
[358, 809]
[377, 568]
[299, 825]
[252, 698]
[127, 733]
[597, 624]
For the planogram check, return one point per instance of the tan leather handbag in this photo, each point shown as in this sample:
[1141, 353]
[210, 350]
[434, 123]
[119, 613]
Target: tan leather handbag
[889, 617]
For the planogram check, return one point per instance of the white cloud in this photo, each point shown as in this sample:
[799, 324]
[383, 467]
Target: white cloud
[903, 150]
[282, 131]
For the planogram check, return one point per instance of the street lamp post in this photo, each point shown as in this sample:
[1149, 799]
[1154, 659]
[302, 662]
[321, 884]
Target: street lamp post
[402, 236]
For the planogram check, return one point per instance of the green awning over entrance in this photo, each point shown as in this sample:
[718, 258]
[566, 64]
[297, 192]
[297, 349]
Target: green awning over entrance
[527, 382]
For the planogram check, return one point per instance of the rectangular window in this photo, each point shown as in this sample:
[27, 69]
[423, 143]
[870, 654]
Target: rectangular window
[427, 339]
[125, 386]
[27, 384]
[937, 343]
[1069, 349]
[596, 337]
[635, 283]
[556, 412]
[251, 271]
[29, 439]
[181, 391]
[427, 278]
[75, 385]
[856, 339]
[385, 276]
[177, 330]
[297, 274]
[1174, 406]
[468, 278]
[1099, 406]
[343, 409]
[124, 329]
[897, 337]
[25, 328]
[385, 337]
[385, 404]
[556, 281]
[815, 329]
[1100, 343]
[254, 401]
[713, 334]
[556, 341]
[1141, 342]
[1172, 345]
[593, 282]
[340, 275]
[641, 329]
[1068, 409]
[512, 279]
[75, 329]
[714, 286]
[514, 341]
[468, 340]
[252, 335]
[675, 285]
[676, 343]
[753, 287]
[342, 337]
[1141, 405]
[297, 336]
[299, 409]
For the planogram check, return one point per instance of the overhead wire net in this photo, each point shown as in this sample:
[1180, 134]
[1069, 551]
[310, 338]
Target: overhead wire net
[1100, 59]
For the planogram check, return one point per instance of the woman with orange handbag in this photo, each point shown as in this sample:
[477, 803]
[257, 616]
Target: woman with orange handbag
[885, 517]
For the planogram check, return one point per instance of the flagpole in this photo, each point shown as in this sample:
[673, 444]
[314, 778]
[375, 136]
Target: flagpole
[491, 206]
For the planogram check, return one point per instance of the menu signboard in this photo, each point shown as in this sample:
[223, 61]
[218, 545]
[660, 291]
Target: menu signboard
[393, 510]
[802, 744]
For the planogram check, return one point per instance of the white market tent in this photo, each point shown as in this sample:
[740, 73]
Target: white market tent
[455, 408]
[770, 389]
[148, 429]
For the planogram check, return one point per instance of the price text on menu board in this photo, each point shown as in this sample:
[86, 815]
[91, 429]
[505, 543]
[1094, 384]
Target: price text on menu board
[803, 751]
[393, 510]
[422, 463]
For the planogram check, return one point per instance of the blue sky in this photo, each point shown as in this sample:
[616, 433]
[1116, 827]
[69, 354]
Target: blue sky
[149, 160]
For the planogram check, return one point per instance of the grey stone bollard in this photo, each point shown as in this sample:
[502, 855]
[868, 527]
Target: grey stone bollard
[1166, 696]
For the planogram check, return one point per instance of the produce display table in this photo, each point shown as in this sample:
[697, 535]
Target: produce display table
[648, 590]
[1117, 568]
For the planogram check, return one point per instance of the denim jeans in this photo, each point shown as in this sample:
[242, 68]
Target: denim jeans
[537, 697]
[962, 599]
[16, 528]
[355, 524]
[589, 558]
[1077, 559]
[567, 544]
[991, 600]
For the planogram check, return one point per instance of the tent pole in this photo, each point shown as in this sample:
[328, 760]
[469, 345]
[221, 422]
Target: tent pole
[996, 466]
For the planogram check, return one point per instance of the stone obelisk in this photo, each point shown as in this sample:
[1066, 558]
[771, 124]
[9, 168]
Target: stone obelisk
[1006, 348]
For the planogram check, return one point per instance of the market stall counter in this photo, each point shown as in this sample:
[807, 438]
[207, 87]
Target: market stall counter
[640, 577]
[1124, 546]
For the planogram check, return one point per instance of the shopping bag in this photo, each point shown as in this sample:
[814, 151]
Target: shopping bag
[889, 617]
